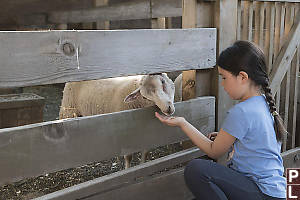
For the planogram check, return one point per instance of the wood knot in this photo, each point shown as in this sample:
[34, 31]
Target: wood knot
[68, 49]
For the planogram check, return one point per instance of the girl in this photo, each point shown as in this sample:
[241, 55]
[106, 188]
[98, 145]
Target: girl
[253, 127]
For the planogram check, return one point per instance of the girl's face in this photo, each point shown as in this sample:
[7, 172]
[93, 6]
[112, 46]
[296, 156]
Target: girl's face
[233, 85]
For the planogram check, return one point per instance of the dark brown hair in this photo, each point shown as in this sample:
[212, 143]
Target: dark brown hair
[246, 56]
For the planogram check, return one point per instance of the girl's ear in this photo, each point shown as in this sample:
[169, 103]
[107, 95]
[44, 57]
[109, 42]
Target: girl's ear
[244, 76]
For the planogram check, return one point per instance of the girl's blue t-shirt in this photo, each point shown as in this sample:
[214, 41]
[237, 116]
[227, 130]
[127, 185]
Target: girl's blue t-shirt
[256, 150]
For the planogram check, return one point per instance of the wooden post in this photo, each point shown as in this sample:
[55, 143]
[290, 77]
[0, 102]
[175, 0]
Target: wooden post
[102, 25]
[226, 23]
[189, 20]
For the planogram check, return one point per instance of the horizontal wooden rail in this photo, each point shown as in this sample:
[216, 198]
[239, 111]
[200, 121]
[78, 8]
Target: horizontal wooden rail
[36, 58]
[52, 146]
[136, 180]
[144, 9]
[123, 178]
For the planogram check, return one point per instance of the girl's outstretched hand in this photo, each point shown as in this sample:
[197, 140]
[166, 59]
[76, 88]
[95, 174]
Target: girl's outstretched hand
[171, 121]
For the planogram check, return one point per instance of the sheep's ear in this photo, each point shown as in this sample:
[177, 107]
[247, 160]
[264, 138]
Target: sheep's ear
[133, 96]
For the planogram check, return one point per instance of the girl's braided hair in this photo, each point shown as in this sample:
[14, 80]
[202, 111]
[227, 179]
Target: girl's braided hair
[246, 56]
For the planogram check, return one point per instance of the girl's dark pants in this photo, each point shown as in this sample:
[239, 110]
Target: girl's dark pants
[208, 180]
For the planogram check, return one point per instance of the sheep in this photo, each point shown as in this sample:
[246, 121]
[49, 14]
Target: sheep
[116, 94]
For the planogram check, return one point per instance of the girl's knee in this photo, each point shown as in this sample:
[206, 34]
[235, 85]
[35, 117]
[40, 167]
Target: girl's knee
[196, 168]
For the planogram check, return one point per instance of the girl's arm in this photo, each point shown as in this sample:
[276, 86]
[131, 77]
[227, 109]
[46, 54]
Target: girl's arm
[213, 149]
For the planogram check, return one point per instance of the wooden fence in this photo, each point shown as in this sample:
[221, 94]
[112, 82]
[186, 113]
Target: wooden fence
[275, 27]
[56, 145]
[83, 55]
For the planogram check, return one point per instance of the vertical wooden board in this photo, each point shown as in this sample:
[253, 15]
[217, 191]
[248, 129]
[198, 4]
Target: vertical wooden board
[282, 19]
[205, 14]
[277, 29]
[226, 22]
[239, 19]
[102, 25]
[284, 98]
[271, 48]
[204, 82]
[245, 23]
[267, 33]
[189, 20]
[261, 25]
[250, 20]
[294, 72]
[257, 22]
[288, 21]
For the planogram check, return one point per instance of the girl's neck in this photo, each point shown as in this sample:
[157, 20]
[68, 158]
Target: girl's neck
[254, 91]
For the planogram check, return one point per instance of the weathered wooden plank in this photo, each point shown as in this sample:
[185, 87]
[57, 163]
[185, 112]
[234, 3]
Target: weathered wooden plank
[245, 23]
[205, 13]
[122, 11]
[60, 56]
[250, 20]
[124, 177]
[73, 142]
[257, 21]
[166, 8]
[261, 25]
[285, 56]
[226, 22]
[239, 19]
[169, 185]
[267, 33]
[292, 112]
[271, 49]
[123, 182]
[277, 29]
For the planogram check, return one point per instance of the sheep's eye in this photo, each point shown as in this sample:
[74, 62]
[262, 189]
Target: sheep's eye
[162, 81]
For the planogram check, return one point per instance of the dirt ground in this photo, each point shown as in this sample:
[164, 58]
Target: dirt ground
[37, 186]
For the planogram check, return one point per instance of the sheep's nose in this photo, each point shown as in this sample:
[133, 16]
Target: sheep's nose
[169, 110]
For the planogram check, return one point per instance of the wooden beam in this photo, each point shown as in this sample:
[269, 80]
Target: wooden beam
[123, 178]
[122, 11]
[169, 185]
[226, 23]
[285, 56]
[52, 146]
[60, 56]
[189, 20]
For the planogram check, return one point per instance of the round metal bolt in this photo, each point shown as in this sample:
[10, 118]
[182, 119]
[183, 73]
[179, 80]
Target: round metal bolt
[68, 49]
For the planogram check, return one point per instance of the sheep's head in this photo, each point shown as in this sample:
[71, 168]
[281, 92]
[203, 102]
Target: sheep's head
[158, 88]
